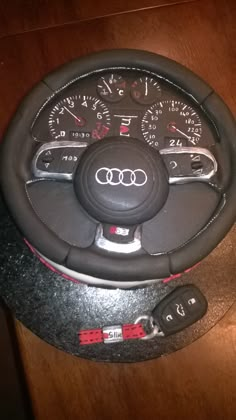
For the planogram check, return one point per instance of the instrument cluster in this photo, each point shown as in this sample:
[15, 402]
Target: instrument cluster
[128, 103]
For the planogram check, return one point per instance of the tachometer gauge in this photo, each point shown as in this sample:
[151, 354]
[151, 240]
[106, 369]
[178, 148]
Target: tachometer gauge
[79, 118]
[111, 87]
[145, 90]
[171, 123]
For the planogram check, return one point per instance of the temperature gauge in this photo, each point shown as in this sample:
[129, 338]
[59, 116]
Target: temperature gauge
[145, 90]
[111, 87]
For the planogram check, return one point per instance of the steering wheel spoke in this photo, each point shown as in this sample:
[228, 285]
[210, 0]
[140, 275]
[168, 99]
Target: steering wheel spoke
[189, 164]
[118, 214]
[57, 160]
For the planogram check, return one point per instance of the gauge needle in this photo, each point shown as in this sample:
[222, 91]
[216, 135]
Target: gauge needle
[179, 131]
[146, 88]
[108, 87]
[78, 119]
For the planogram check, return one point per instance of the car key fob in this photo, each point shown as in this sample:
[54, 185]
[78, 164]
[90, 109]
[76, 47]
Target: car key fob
[180, 309]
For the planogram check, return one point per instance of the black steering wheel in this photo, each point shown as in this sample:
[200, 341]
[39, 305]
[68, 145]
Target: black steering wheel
[119, 168]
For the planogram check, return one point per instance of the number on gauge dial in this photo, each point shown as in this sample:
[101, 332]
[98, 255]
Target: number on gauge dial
[80, 118]
[171, 123]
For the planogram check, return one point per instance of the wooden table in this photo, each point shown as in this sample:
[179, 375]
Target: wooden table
[198, 382]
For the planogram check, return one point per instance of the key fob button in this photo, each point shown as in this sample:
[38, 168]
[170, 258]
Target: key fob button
[168, 317]
[179, 308]
[192, 301]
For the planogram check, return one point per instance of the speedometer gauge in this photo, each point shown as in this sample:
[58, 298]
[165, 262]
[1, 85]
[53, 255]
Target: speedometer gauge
[171, 123]
[79, 118]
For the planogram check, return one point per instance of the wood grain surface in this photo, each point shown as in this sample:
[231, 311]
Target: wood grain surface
[25, 15]
[198, 382]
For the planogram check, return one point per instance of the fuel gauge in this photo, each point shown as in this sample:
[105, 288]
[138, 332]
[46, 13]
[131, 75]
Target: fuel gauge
[111, 87]
[145, 90]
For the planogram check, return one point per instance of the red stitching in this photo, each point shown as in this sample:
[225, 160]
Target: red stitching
[130, 331]
[90, 336]
[89, 332]
[133, 331]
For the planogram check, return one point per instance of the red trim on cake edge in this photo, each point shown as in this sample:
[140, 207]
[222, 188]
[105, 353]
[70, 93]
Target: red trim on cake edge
[48, 265]
[65, 276]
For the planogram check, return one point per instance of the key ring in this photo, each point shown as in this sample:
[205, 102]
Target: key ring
[156, 332]
[117, 333]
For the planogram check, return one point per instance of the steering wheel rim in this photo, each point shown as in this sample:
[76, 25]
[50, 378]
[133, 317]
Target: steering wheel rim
[91, 261]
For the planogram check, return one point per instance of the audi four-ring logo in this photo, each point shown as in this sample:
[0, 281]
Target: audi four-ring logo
[126, 177]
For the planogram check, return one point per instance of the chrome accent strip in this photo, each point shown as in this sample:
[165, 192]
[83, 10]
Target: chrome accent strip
[103, 243]
[38, 173]
[194, 150]
[113, 334]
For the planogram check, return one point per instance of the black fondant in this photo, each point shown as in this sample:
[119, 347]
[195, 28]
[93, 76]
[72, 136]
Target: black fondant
[118, 201]
[127, 58]
[16, 172]
[60, 211]
[56, 309]
[118, 267]
[186, 211]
